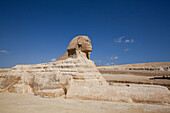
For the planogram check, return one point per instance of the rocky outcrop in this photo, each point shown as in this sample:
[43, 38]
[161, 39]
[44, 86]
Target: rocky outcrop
[130, 93]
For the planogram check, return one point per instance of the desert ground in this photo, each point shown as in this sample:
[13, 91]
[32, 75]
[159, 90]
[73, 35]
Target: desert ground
[27, 103]
[122, 74]
[135, 79]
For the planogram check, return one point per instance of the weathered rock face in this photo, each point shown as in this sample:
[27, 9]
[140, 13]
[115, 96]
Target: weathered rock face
[75, 76]
[54, 79]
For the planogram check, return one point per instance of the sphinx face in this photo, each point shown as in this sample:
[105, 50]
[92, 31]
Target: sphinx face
[79, 43]
[85, 43]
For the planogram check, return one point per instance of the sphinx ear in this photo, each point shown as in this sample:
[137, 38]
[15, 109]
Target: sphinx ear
[79, 42]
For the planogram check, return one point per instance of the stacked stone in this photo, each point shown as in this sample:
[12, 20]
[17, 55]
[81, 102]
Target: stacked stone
[52, 79]
[85, 72]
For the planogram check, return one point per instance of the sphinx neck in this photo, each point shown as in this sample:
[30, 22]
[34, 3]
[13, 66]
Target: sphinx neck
[78, 53]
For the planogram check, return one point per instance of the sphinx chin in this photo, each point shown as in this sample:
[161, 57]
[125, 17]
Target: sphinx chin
[88, 49]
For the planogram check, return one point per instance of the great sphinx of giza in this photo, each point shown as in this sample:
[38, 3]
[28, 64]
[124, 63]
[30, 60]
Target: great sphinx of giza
[75, 76]
[54, 79]
[78, 44]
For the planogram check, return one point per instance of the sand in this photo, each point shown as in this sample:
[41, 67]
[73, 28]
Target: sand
[27, 103]
[135, 79]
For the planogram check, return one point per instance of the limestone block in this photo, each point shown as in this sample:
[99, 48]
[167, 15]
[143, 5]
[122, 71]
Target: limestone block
[20, 88]
[134, 93]
[51, 93]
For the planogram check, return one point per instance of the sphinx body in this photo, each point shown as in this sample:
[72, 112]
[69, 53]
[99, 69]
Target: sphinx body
[75, 76]
[54, 79]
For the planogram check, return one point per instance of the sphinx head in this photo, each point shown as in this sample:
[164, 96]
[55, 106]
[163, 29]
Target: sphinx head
[79, 44]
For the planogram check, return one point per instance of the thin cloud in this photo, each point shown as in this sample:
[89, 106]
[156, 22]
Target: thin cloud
[125, 50]
[129, 41]
[119, 40]
[132, 41]
[114, 58]
[53, 59]
[109, 64]
[3, 51]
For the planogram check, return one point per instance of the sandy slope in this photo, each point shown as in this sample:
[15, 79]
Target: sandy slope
[25, 103]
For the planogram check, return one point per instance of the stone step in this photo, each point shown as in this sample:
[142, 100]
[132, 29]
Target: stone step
[87, 70]
[65, 65]
[68, 70]
[68, 73]
[86, 76]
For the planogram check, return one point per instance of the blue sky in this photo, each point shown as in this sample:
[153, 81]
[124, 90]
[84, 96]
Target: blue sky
[122, 31]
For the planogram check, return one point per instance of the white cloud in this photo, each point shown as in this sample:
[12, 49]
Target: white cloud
[129, 41]
[97, 61]
[114, 58]
[109, 64]
[3, 51]
[53, 59]
[119, 40]
[132, 41]
[125, 50]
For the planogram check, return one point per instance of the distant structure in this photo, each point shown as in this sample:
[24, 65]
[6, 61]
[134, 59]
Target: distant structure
[155, 66]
